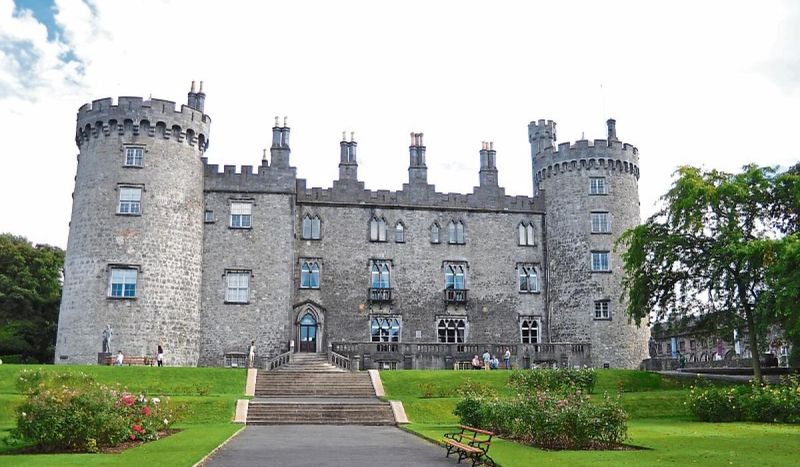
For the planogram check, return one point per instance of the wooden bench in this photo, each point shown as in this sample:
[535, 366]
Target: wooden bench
[470, 443]
[126, 360]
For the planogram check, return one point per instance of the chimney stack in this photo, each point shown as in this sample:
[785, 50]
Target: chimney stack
[348, 164]
[488, 172]
[280, 150]
[192, 100]
[200, 99]
[612, 130]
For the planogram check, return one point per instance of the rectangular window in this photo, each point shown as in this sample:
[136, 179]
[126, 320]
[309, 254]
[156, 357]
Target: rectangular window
[600, 223]
[240, 215]
[385, 329]
[237, 286]
[451, 330]
[597, 186]
[130, 200]
[122, 283]
[309, 274]
[380, 275]
[528, 278]
[311, 228]
[529, 330]
[601, 309]
[600, 261]
[134, 156]
[209, 216]
[454, 276]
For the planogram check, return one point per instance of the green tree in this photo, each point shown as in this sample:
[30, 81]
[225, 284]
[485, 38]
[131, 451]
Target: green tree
[718, 248]
[30, 295]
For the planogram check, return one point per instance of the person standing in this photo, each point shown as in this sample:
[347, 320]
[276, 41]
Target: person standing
[507, 358]
[160, 355]
[487, 359]
[251, 355]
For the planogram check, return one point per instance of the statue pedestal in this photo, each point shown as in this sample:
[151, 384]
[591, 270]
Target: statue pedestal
[102, 357]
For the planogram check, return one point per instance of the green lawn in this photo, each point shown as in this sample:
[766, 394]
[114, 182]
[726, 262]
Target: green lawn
[210, 395]
[659, 423]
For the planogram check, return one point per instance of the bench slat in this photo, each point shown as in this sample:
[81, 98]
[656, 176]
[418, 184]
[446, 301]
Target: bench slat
[476, 430]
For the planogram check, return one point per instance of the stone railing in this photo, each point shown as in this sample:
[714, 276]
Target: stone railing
[379, 295]
[278, 361]
[419, 355]
[339, 360]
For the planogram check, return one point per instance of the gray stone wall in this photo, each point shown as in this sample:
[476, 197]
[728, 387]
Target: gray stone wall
[266, 250]
[491, 252]
[564, 176]
[164, 242]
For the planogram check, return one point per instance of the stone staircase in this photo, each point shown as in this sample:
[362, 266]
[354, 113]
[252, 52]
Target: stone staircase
[309, 390]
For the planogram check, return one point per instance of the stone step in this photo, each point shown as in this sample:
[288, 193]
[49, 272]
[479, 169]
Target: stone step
[338, 413]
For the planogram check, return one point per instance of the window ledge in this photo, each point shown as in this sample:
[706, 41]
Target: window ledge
[378, 241]
[598, 194]
[236, 303]
[530, 292]
[111, 297]
[602, 319]
[601, 271]
[132, 166]
[239, 228]
[601, 233]
[311, 239]
[456, 243]
[126, 214]
[526, 245]
[308, 288]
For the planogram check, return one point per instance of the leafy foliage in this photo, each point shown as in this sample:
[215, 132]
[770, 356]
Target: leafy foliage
[719, 247]
[30, 295]
[72, 412]
[756, 402]
[529, 381]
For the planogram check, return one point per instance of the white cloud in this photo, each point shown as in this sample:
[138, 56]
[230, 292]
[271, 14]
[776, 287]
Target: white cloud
[688, 82]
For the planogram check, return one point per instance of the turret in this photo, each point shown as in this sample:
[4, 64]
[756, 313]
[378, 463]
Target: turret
[488, 172]
[200, 99]
[417, 170]
[280, 150]
[542, 135]
[348, 164]
[612, 130]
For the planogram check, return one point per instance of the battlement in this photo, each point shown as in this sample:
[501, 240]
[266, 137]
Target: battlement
[410, 197]
[134, 115]
[264, 179]
[600, 154]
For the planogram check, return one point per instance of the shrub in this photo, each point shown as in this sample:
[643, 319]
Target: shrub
[476, 389]
[548, 419]
[759, 403]
[71, 411]
[530, 381]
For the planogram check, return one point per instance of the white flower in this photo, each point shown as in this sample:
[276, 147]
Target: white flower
[24, 415]
[166, 422]
[155, 400]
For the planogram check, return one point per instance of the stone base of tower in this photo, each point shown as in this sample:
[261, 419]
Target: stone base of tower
[625, 349]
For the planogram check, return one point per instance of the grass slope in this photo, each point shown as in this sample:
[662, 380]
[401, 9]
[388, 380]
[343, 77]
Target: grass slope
[210, 395]
[659, 422]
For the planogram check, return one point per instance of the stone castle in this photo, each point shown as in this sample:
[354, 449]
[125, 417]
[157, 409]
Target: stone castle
[169, 250]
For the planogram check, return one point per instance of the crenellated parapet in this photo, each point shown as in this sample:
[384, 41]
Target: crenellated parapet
[601, 154]
[265, 178]
[155, 118]
[408, 199]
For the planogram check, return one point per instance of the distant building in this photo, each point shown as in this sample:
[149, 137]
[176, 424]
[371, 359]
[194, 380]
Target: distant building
[170, 250]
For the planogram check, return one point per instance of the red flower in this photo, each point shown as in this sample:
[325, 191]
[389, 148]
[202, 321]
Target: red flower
[127, 399]
[146, 411]
[138, 428]
[132, 437]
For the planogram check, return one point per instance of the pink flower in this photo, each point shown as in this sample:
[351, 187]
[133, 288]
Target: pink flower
[146, 411]
[132, 437]
[138, 428]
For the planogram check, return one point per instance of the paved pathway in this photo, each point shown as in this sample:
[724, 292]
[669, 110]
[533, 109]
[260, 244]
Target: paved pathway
[317, 445]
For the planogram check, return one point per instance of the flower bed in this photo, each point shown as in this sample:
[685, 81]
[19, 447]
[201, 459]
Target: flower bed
[72, 412]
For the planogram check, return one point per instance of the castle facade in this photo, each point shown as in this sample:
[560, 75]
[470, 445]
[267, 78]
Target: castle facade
[168, 249]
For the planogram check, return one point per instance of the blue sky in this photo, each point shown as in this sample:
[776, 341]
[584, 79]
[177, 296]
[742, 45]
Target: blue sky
[713, 83]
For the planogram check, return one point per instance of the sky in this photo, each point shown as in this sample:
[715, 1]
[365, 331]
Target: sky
[711, 83]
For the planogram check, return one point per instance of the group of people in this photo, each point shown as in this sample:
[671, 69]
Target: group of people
[490, 362]
[120, 358]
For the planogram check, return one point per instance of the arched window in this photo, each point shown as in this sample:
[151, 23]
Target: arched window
[311, 227]
[529, 330]
[528, 278]
[525, 230]
[454, 277]
[309, 275]
[377, 229]
[399, 232]
[451, 330]
[455, 232]
[435, 233]
[379, 275]
[385, 329]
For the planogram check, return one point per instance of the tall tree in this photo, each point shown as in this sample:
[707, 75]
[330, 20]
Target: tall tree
[717, 247]
[30, 295]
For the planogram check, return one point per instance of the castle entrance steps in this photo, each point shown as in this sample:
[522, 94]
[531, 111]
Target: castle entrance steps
[309, 390]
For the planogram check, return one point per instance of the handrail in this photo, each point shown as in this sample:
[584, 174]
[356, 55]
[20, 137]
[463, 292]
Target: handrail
[339, 360]
[278, 361]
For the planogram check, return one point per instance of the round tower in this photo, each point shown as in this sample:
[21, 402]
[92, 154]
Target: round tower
[591, 197]
[134, 255]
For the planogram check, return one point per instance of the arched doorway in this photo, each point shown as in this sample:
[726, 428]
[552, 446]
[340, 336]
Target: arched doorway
[308, 333]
